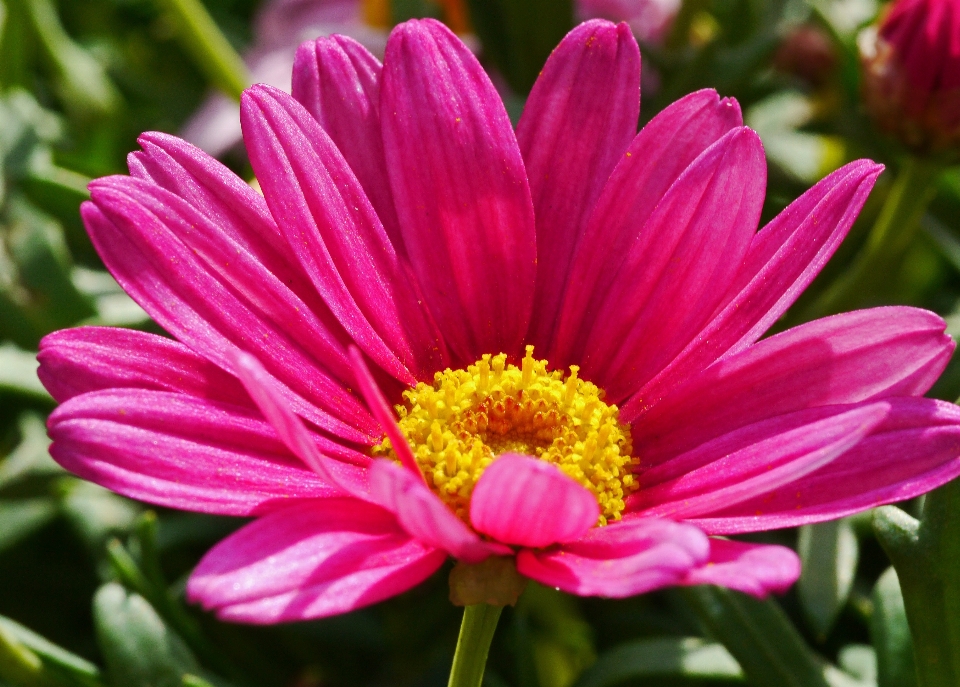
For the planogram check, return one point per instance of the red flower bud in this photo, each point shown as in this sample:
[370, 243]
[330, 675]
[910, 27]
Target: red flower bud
[911, 73]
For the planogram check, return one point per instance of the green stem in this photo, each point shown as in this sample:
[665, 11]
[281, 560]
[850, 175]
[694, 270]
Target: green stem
[210, 49]
[473, 645]
[887, 243]
[925, 554]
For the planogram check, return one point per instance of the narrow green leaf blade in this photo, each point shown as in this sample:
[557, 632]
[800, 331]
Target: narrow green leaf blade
[663, 657]
[890, 634]
[829, 552]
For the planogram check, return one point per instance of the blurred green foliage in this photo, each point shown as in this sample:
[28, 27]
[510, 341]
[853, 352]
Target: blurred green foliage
[91, 584]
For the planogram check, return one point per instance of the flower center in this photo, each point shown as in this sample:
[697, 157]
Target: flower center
[459, 425]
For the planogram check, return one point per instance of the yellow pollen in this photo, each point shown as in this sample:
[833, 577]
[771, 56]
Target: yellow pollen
[459, 424]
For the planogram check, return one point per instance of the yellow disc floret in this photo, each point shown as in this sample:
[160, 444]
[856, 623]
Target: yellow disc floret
[459, 424]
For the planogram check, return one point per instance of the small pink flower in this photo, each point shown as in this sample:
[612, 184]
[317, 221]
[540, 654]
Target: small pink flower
[405, 224]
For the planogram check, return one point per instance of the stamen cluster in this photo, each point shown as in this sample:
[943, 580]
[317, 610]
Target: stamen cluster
[459, 424]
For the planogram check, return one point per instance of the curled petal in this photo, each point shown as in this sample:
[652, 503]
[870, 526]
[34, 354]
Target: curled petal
[755, 569]
[622, 559]
[310, 561]
[424, 516]
[523, 501]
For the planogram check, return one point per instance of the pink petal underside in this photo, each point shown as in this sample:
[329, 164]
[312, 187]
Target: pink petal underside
[755, 569]
[916, 449]
[658, 155]
[578, 121]
[336, 234]
[424, 516]
[183, 452]
[859, 356]
[523, 501]
[213, 296]
[264, 391]
[338, 81]
[75, 361]
[460, 190]
[765, 459]
[622, 559]
[688, 252]
[310, 561]
[783, 259]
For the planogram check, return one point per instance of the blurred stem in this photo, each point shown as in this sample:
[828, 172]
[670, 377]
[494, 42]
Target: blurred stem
[473, 645]
[888, 241]
[925, 554]
[210, 49]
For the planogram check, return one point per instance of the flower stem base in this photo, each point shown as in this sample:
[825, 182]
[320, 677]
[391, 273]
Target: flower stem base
[473, 645]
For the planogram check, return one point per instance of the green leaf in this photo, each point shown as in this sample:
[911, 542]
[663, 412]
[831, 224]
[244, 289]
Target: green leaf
[860, 661]
[560, 640]
[829, 552]
[22, 517]
[890, 634]
[663, 657]
[759, 636]
[18, 374]
[67, 667]
[139, 649]
[31, 456]
[97, 513]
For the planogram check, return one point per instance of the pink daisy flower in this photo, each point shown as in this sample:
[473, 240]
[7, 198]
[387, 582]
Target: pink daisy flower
[566, 317]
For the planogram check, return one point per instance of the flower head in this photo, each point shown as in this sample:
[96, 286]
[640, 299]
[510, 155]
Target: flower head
[566, 319]
[911, 73]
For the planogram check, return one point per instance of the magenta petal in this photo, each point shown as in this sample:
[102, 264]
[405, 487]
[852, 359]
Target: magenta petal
[338, 81]
[181, 452]
[769, 460]
[265, 393]
[659, 154]
[75, 361]
[622, 559]
[755, 569]
[336, 234]
[577, 123]
[783, 259]
[915, 449]
[688, 252]
[424, 516]
[523, 501]
[460, 190]
[310, 561]
[859, 356]
[213, 296]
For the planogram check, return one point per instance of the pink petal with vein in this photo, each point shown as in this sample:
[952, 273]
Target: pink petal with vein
[338, 81]
[760, 467]
[182, 452]
[460, 190]
[783, 259]
[424, 516]
[858, 356]
[523, 501]
[622, 559]
[915, 449]
[217, 297]
[659, 154]
[577, 123]
[336, 235]
[755, 569]
[75, 361]
[688, 252]
[310, 561]
[290, 429]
